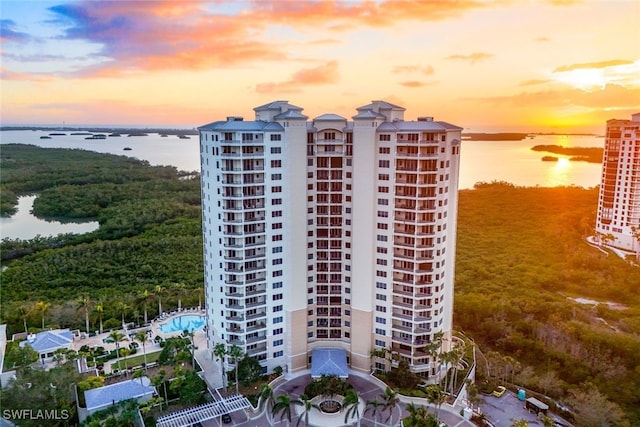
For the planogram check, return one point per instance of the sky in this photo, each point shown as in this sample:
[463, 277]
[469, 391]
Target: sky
[487, 66]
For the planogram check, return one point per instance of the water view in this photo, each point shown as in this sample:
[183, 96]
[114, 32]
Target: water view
[510, 161]
[23, 225]
[481, 161]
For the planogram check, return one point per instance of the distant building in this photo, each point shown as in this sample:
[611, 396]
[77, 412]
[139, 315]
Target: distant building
[325, 240]
[619, 200]
[47, 342]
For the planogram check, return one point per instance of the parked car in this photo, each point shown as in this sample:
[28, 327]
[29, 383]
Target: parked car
[499, 391]
[226, 418]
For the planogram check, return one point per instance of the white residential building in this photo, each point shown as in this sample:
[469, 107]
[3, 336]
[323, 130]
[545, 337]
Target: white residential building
[619, 200]
[330, 234]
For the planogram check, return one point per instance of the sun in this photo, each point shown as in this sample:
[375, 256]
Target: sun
[585, 79]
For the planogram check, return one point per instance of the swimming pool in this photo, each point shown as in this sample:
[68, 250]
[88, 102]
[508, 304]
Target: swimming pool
[188, 322]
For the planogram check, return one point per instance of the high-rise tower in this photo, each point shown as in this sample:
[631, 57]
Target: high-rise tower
[330, 234]
[619, 200]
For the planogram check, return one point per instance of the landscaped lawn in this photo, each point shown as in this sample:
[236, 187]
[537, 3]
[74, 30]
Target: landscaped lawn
[136, 360]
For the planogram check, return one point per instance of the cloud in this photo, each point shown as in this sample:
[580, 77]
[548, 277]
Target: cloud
[415, 83]
[611, 96]
[601, 64]
[148, 36]
[9, 33]
[473, 57]
[534, 82]
[323, 74]
[426, 70]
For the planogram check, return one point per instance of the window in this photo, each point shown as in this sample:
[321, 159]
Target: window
[383, 189]
[381, 308]
[385, 137]
[277, 308]
[385, 150]
[277, 273]
[277, 320]
[276, 238]
[381, 297]
[381, 320]
[277, 331]
[276, 214]
[276, 189]
[276, 150]
[380, 331]
[276, 285]
[381, 285]
[383, 163]
[382, 226]
[276, 202]
[383, 176]
[383, 202]
[380, 343]
[276, 163]
[277, 343]
[380, 273]
[276, 137]
[277, 297]
[277, 354]
[381, 261]
[276, 226]
[276, 176]
[380, 238]
[276, 261]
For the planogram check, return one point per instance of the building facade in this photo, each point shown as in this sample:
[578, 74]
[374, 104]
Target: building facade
[330, 234]
[618, 218]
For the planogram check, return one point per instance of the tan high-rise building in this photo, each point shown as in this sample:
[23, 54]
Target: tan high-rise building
[619, 200]
[326, 239]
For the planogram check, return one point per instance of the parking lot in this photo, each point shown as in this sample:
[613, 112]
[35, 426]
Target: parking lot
[502, 411]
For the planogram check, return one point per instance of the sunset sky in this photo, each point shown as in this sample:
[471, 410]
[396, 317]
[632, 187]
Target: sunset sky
[484, 65]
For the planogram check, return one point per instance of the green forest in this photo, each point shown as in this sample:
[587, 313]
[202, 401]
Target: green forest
[521, 263]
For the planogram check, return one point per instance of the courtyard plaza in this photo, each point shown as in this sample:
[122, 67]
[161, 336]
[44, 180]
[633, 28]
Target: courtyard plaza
[293, 384]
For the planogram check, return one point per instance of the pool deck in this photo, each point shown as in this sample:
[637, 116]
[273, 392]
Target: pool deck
[150, 346]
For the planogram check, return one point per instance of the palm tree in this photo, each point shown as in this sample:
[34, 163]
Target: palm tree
[519, 423]
[116, 337]
[220, 351]
[235, 352]
[282, 405]
[390, 400]
[435, 396]
[100, 310]
[144, 297]
[143, 338]
[42, 307]
[23, 312]
[266, 395]
[159, 292]
[179, 289]
[373, 406]
[307, 407]
[160, 379]
[123, 308]
[351, 403]
[418, 415]
[84, 303]
[125, 352]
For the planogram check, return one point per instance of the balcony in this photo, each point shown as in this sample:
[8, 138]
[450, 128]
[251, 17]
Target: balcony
[256, 350]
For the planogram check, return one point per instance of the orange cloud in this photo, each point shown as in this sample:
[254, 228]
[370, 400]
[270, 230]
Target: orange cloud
[534, 82]
[426, 70]
[175, 34]
[415, 83]
[601, 64]
[473, 57]
[611, 96]
[323, 74]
